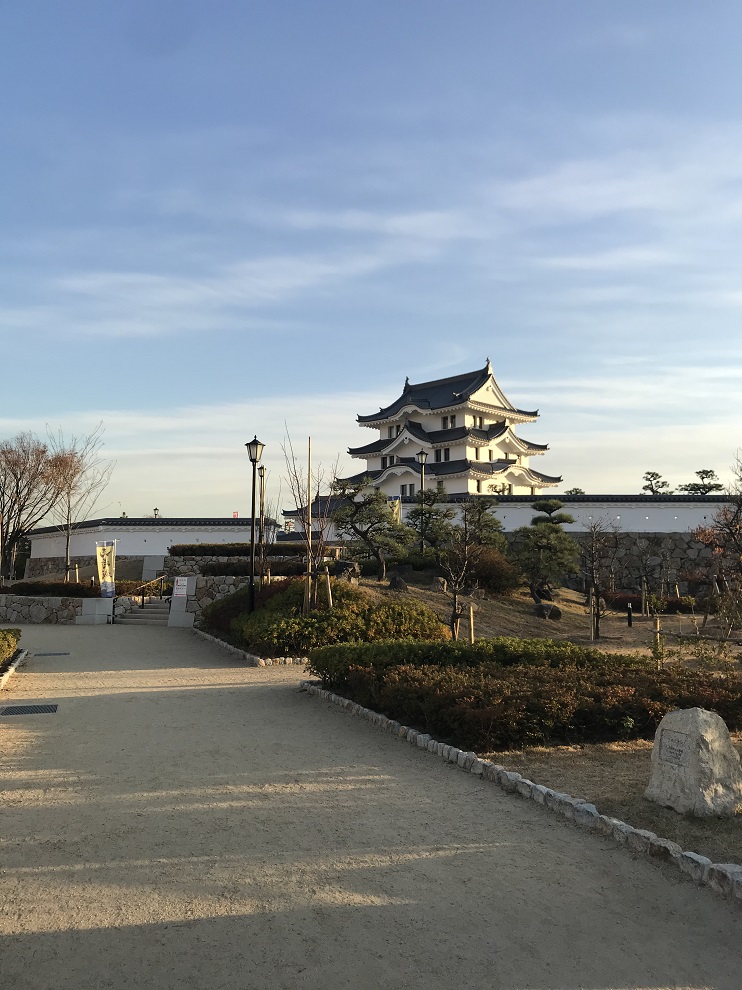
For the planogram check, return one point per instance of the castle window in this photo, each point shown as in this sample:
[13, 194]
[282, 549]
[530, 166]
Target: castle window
[490, 453]
[399, 429]
[446, 453]
[384, 462]
[479, 488]
[453, 421]
[438, 456]
[390, 432]
[444, 422]
[476, 453]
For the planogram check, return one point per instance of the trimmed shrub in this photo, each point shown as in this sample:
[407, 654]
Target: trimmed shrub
[235, 549]
[332, 663]
[125, 588]
[9, 639]
[666, 604]
[494, 573]
[237, 568]
[490, 707]
[277, 625]
[54, 589]
[217, 617]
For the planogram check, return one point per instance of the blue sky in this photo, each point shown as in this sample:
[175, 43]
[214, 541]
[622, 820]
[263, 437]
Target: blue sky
[217, 219]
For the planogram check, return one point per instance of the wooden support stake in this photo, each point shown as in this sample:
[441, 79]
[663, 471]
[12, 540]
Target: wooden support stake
[471, 623]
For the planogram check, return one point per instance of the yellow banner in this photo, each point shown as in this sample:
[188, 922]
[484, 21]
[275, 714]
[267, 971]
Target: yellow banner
[106, 556]
[395, 504]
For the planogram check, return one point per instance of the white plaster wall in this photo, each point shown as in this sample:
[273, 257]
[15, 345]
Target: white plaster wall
[640, 516]
[131, 542]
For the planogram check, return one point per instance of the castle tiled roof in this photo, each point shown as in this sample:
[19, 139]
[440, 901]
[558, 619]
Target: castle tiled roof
[442, 393]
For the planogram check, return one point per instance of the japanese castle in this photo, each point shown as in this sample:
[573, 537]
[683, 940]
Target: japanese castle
[455, 432]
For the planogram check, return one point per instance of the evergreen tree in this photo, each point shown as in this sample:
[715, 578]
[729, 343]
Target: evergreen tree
[655, 484]
[707, 483]
[431, 517]
[367, 521]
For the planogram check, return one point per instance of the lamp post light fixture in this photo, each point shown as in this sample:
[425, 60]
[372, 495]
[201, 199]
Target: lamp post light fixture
[254, 451]
[157, 513]
[422, 456]
[261, 531]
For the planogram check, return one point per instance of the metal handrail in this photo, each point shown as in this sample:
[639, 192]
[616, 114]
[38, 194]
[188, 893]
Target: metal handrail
[139, 592]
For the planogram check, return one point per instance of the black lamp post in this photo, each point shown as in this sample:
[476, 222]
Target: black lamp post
[157, 513]
[254, 452]
[422, 456]
[261, 531]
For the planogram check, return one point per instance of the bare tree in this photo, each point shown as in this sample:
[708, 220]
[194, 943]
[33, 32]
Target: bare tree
[31, 480]
[598, 553]
[724, 538]
[311, 492]
[458, 554]
[83, 476]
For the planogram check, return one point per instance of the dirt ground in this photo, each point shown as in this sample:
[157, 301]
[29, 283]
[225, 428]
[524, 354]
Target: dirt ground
[613, 777]
[514, 616]
[183, 821]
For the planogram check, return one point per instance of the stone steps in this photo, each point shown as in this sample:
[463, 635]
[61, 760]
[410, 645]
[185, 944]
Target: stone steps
[154, 613]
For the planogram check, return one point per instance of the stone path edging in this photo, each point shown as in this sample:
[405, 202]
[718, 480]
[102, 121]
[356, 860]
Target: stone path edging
[18, 657]
[250, 658]
[722, 878]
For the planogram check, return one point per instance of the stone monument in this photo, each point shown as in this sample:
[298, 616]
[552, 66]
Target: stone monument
[695, 768]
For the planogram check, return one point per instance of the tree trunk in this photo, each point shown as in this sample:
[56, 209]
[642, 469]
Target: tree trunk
[67, 542]
[381, 561]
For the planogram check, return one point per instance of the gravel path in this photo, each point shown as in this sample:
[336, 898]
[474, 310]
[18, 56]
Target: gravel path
[183, 821]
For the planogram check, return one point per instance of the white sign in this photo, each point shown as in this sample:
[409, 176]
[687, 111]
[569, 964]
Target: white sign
[180, 587]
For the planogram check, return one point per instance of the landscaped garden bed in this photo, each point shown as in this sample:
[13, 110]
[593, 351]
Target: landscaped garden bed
[9, 639]
[278, 627]
[529, 692]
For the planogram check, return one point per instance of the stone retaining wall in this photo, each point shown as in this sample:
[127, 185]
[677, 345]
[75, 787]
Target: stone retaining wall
[35, 611]
[663, 558]
[37, 567]
[212, 589]
[192, 565]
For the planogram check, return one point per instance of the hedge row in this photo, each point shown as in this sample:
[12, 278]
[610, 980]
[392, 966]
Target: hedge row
[667, 604]
[234, 549]
[490, 707]
[54, 589]
[332, 663]
[9, 639]
[240, 568]
[74, 589]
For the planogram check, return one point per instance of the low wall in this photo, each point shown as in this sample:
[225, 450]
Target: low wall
[212, 589]
[191, 566]
[35, 611]
[37, 567]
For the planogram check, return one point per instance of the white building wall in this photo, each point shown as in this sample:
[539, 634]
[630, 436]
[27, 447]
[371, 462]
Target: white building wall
[135, 542]
[641, 516]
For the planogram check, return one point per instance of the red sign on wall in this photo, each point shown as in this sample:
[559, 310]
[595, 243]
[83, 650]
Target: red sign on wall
[235, 515]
